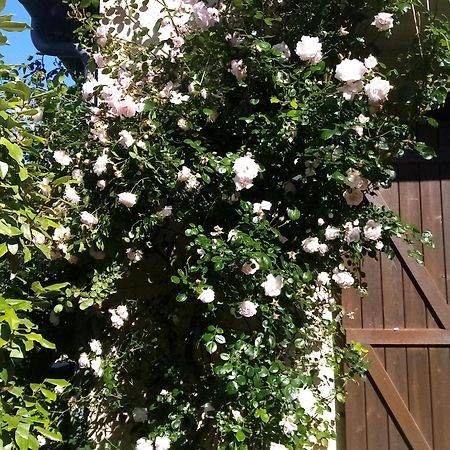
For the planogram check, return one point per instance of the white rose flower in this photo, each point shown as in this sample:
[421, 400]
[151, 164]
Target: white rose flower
[353, 234]
[273, 285]
[343, 279]
[307, 400]
[126, 139]
[248, 308]
[284, 49]
[162, 443]
[353, 197]
[62, 157]
[275, 446]
[62, 234]
[323, 279]
[41, 440]
[350, 70]
[250, 268]
[118, 316]
[96, 366]
[134, 255]
[88, 219]
[363, 119]
[377, 90]
[309, 49]
[78, 175]
[350, 89]
[100, 166]
[140, 414]
[379, 245]
[311, 245]
[96, 346]
[207, 295]
[331, 233]
[37, 237]
[370, 62]
[245, 169]
[355, 180]
[372, 230]
[383, 21]
[83, 361]
[127, 199]
[288, 424]
[184, 174]
[71, 194]
[166, 211]
[101, 184]
[323, 248]
[143, 444]
[183, 124]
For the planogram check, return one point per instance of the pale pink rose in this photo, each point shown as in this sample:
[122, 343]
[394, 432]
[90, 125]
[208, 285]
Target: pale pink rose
[126, 107]
[99, 60]
[355, 180]
[62, 157]
[246, 170]
[343, 279]
[371, 62]
[238, 69]
[205, 17]
[184, 174]
[88, 219]
[71, 194]
[126, 139]
[353, 197]
[309, 49]
[331, 233]
[101, 36]
[273, 285]
[311, 245]
[100, 165]
[377, 90]
[352, 234]
[323, 279]
[372, 230]
[383, 21]
[83, 361]
[127, 199]
[248, 308]
[350, 89]
[350, 70]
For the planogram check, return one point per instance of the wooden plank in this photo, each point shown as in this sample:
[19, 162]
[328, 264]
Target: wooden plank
[418, 364]
[395, 404]
[372, 317]
[422, 276]
[431, 204]
[394, 317]
[400, 337]
[355, 405]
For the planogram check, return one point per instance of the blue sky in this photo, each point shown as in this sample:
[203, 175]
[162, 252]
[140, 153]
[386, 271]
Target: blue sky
[20, 45]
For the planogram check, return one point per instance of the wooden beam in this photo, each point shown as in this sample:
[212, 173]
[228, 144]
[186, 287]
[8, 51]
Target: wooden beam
[397, 407]
[420, 275]
[400, 337]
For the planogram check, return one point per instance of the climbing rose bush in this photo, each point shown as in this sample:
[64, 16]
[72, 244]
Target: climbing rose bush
[224, 158]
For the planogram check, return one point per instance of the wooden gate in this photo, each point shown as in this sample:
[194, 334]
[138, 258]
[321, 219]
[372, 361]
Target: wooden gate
[405, 322]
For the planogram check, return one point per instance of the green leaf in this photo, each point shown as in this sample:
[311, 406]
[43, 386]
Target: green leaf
[293, 214]
[240, 436]
[52, 435]
[13, 149]
[3, 169]
[3, 249]
[425, 151]
[327, 134]
[211, 347]
[57, 382]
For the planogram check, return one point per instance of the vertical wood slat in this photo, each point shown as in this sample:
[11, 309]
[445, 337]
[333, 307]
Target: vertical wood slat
[372, 317]
[355, 422]
[435, 263]
[394, 316]
[415, 314]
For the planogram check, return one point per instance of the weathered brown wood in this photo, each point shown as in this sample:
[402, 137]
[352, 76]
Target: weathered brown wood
[355, 424]
[372, 317]
[395, 403]
[394, 316]
[415, 313]
[400, 337]
[431, 201]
